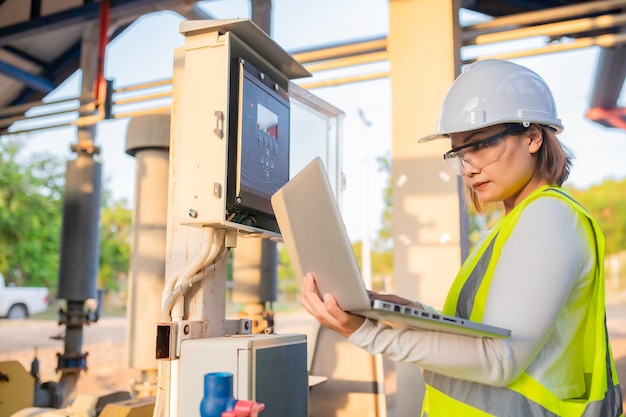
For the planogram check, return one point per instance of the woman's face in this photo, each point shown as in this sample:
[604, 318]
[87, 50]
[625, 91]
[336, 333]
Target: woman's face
[501, 170]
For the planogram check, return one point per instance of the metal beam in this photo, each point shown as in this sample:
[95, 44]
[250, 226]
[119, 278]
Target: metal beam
[65, 18]
[555, 30]
[340, 50]
[606, 41]
[553, 14]
[57, 71]
[31, 80]
[23, 55]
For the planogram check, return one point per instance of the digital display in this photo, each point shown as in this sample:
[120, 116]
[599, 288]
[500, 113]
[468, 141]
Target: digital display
[267, 121]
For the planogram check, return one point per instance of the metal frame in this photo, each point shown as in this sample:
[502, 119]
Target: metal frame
[570, 33]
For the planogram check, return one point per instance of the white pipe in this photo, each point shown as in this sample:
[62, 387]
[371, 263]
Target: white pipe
[345, 80]
[216, 247]
[348, 61]
[340, 51]
[191, 273]
[175, 382]
[162, 400]
[211, 253]
[208, 236]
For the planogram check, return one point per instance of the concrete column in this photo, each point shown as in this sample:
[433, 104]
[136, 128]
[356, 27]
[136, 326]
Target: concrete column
[147, 139]
[423, 45]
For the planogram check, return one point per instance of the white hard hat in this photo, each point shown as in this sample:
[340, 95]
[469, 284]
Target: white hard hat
[492, 92]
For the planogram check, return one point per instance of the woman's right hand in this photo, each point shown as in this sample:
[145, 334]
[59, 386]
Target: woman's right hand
[326, 310]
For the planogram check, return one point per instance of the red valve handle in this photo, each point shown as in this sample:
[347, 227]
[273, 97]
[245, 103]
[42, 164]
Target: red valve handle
[245, 408]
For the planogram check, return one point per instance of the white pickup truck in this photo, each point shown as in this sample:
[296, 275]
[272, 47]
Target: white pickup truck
[21, 302]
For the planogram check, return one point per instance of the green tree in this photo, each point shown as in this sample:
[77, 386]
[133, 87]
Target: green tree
[30, 202]
[288, 283]
[382, 248]
[384, 240]
[115, 239]
[607, 203]
[381, 256]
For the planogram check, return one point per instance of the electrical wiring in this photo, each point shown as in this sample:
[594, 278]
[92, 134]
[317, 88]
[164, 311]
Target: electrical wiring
[212, 252]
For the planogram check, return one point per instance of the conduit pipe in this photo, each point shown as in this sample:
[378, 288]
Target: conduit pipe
[211, 247]
[99, 87]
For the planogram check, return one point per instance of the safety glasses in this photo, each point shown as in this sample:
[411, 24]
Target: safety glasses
[481, 153]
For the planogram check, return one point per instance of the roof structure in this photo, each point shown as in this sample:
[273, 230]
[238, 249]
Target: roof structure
[40, 41]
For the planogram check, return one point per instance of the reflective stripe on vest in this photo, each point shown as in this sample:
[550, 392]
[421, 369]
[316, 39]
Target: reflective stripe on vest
[447, 396]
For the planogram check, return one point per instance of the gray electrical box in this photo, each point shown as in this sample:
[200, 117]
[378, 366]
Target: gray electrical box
[271, 369]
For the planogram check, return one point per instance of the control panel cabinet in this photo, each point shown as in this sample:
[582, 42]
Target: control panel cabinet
[271, 369]
[230, 148]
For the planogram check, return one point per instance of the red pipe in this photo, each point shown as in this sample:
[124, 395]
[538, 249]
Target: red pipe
[99, 87]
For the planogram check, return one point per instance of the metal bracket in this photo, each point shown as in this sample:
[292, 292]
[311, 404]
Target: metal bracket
[170, 335]
[238, 327]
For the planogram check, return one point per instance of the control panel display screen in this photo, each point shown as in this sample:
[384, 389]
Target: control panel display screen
[262, 145]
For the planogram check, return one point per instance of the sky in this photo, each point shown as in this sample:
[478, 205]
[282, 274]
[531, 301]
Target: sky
[145, 53]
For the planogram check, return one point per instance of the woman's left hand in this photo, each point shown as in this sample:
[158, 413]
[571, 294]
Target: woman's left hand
[326, 310]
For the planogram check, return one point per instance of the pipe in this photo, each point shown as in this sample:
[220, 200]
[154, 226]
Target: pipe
[141, 112]
[145, 86]
[162, 400]
[348, 61]
[185, 281]
[217, 253]
[211, 247]
[345, 80]
[103, 39]
[208, 236]
[340, 50]
[153, 96]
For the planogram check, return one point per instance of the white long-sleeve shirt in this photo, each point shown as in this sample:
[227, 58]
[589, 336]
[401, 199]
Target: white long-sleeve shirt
[541, 276]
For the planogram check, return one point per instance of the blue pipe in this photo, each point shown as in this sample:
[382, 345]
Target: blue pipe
[218, 394]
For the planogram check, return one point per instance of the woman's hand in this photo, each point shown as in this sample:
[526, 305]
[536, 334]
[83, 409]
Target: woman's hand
[326, 310]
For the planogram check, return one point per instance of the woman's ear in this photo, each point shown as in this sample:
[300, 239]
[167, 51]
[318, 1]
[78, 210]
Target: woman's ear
[536, 138]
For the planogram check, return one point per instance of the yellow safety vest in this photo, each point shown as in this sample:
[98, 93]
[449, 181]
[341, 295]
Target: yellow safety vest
[450, 397]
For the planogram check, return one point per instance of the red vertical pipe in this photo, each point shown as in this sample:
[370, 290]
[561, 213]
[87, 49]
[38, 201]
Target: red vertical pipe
[103, 38]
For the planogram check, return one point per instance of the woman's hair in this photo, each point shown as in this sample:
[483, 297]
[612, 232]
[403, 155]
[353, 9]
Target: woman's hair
[554, 161]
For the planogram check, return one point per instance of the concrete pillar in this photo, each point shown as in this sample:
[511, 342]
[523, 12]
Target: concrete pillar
[147, 139]
[423, 45]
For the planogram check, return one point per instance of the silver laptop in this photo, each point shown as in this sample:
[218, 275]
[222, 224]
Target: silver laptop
[316, 240]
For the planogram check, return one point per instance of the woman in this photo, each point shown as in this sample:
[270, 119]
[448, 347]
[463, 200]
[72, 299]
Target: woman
[537, 272]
